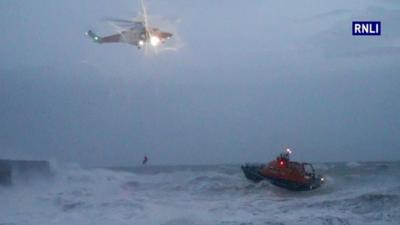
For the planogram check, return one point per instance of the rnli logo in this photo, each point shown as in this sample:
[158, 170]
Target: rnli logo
[366, 28]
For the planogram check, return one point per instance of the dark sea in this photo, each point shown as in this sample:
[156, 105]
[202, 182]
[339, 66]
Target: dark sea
[355, 193]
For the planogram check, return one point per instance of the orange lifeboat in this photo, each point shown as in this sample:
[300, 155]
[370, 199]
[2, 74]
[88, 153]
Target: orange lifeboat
[285, 173]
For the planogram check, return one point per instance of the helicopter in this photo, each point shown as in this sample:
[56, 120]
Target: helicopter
[136, 32]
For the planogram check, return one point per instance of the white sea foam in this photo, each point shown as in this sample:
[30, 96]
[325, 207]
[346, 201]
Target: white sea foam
[210, 195]
[353, 164]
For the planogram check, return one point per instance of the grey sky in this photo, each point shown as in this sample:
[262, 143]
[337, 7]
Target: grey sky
[249, 79]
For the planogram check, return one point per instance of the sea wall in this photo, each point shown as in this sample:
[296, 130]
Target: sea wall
[22, 169]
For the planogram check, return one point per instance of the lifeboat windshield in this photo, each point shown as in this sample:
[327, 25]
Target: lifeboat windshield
[308, 169]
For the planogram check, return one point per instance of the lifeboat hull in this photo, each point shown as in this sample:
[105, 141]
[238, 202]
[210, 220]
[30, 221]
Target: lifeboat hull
[253, 173]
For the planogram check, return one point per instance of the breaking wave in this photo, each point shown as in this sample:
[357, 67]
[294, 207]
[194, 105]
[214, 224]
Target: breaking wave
[173, 195]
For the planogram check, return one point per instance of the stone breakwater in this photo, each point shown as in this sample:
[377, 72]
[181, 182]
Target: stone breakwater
[24, 169]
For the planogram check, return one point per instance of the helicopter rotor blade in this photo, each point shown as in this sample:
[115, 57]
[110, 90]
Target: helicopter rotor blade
[145, 18]
[124, 22]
